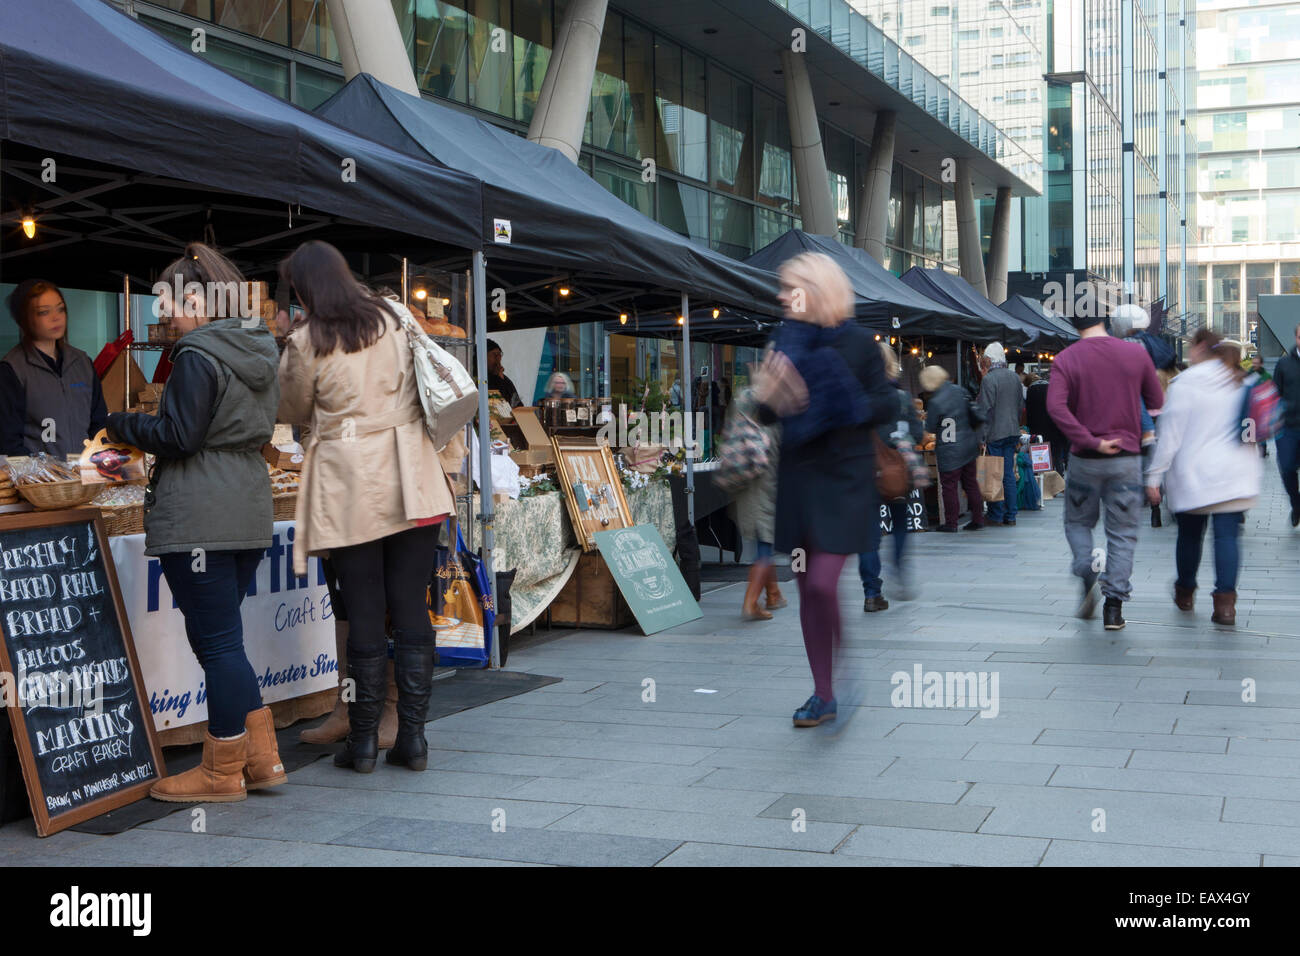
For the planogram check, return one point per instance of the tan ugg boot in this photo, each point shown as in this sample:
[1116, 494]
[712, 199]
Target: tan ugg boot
[263, 768]
[751, 610]
[218, 779]
[388, 719]
[335, 727]
[775, 599]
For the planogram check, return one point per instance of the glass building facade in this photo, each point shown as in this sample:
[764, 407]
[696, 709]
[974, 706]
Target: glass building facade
[1247, 182]
[720, 143]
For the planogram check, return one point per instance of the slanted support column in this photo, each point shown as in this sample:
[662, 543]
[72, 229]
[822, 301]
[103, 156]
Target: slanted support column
[873, 208]
[370, 41]
[815, 206]
[969, 254]
[565, 98]
[997, 274]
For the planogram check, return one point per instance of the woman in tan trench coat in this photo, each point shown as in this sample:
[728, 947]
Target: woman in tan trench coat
[371, 493]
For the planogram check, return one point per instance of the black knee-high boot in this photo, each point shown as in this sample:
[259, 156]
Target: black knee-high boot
[361, 749]
[413, 661]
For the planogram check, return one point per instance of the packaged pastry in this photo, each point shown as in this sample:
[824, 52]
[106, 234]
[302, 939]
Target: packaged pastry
[105, 461]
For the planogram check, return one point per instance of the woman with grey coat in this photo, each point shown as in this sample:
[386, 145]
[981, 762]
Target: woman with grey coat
[952, 419]
[754, 511]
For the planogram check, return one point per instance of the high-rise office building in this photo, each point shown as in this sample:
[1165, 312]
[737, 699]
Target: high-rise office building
[1248, 182]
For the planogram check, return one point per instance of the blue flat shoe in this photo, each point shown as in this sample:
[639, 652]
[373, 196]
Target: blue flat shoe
[815, 711]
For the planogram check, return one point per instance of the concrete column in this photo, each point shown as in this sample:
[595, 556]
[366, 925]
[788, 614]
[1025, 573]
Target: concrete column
[816, 208]
[565, 97]
[873, 207]
[969, 253]
[997, 276]
[370, 41]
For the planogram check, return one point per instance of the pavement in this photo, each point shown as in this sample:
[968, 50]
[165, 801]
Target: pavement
[1169, 743]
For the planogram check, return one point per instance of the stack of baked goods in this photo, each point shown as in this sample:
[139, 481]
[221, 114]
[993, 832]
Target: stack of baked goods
[283, 482]
[8, 493]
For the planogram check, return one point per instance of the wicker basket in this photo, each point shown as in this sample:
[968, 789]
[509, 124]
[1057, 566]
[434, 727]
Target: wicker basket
[125, 519]
[53, 495]
[284, 507]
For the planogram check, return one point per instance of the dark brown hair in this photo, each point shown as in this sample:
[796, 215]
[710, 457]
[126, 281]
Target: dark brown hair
[203, 264]
[20, 305]
[341, 312]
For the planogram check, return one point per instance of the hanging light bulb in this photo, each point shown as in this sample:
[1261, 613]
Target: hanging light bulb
[891, 340]
[29, 227]
[622, 318]
[502, 315]
[716, 313]
[877, 338]
[681, 320]
[564, 290]
[446, 301]
[421, 294]
[916, 351]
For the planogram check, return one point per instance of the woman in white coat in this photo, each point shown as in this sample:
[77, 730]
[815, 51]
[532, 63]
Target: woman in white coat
[1210, 475]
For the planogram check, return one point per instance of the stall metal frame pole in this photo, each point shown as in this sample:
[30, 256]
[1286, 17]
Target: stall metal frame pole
[484, 441]
[126, 316]
[688, 417]
[609, 375]
[960, 355]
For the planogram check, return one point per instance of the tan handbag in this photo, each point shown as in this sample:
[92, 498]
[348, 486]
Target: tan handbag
[893, 478]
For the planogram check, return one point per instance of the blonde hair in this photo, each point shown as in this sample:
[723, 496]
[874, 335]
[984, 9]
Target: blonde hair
[827, 297]
[933, 376]
[890, 358]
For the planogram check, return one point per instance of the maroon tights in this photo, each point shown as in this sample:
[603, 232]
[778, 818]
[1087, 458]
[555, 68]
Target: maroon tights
[819, 615]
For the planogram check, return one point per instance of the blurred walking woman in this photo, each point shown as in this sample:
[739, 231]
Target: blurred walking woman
[1210, 475]
[371, 492]
[208, 515]
[825, 382]
[50, 396]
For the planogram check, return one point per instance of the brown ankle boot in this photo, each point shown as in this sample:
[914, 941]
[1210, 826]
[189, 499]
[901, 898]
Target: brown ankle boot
[1225, 609]
[388, 719]
[335, 727]
[218, 779]
[775, 599]
[1184, 598]
[750, 609]
[263, 768]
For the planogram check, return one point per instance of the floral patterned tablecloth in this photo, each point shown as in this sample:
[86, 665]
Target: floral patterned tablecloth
[534, 536]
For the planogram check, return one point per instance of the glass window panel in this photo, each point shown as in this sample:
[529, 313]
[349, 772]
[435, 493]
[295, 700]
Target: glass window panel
[731, 227]
[776, 173]
[770, 225]
[607, 121]
[681, 95]
[1289, 278]
[267, 19]
[310, 29]
[533, 41]
[194, 8]
[491, 73]
[441, 50]
[268, 73]
[684, 209]
[731, 143]
[626, 184]
[638, 65]
[311, 87]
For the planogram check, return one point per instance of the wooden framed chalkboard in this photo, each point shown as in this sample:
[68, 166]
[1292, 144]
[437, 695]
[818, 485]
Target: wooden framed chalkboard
[76, 702]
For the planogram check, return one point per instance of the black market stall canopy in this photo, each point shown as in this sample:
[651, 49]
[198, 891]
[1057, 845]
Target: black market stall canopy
[728, 327]
[122, 146]
[1057, 333]
[881, 297]
[990, 323]
[547, 224]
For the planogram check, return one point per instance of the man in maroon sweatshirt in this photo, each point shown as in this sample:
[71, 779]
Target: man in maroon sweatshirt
[1093, 398]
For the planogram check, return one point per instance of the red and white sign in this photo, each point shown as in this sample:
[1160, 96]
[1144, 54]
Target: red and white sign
[1040, 457]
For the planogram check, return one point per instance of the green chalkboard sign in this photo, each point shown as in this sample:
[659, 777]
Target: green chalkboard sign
[648, 578]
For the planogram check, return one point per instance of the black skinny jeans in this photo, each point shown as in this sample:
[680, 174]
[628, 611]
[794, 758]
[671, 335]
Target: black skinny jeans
[387, 575]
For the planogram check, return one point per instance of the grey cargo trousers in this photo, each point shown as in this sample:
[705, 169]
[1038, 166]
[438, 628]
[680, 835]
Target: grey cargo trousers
[1118, 483]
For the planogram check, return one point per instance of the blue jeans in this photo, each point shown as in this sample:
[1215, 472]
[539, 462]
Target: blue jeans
[762, 551]
[869, 566]
[1005, 510]
[210, 600]
[1227, 551]
[1288, 461]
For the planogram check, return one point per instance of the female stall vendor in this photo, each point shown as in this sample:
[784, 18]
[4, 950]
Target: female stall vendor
[50, 396]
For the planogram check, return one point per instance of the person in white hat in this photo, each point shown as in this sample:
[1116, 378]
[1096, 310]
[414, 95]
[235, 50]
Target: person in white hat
[1001, 403]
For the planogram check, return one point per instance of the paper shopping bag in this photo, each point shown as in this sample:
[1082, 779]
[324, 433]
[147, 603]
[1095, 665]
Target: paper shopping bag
[461, 607]
[988, 471]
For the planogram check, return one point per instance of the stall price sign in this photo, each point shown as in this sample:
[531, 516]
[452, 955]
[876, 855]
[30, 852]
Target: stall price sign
[70, 679]
[648, 578]
[1040, 456]
[915, 513]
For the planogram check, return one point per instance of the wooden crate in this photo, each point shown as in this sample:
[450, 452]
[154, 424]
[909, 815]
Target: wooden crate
[590, 598]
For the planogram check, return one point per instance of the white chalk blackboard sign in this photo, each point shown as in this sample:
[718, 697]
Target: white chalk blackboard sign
[71, 682]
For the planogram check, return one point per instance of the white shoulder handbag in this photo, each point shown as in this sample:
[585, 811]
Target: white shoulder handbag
[448, 396]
